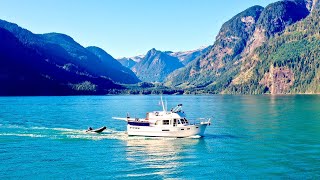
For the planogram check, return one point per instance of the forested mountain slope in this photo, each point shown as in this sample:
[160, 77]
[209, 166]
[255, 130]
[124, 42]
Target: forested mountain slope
[249, 48]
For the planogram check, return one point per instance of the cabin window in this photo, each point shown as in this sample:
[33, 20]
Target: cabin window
[165, 122]
[179, 122]
[182, 121]
[175, 122]
[186, 121]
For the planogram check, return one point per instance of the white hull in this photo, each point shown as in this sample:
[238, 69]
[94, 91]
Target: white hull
[176, 131]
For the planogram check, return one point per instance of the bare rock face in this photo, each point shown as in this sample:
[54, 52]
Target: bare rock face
[270, 22]
[256, 40]
[249, 22]
[315, 4]
[309, 4]
[231, 40]
[229, 43]
[278, 80]
[249, 58]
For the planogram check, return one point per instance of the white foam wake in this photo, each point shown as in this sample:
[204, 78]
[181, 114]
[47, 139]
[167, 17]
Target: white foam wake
[67, 133]
[60, 133]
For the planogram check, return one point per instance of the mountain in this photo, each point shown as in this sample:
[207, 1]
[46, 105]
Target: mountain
[127, 62]
[155, 66]
[27, 71]
[183, 56]
[62, 50]
[114, 69]
[137, 58]
[287, 63]
[239, 59]
[230, 41]
[187, 56]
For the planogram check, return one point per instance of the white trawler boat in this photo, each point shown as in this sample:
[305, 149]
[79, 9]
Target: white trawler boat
[165, 123]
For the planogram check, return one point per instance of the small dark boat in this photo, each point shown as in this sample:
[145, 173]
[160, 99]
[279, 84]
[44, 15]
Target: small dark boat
[99, 130]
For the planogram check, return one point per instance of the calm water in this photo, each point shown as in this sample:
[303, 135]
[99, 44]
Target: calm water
[250, 136]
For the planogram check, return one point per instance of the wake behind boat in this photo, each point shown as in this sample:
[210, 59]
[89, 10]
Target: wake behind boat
[165, 124]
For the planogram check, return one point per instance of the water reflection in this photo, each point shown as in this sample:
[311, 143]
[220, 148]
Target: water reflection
[158, 156]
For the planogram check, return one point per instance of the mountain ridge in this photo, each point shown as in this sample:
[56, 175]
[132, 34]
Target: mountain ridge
[235, 58]
[63, 49]
[25, 71]
[155, 66]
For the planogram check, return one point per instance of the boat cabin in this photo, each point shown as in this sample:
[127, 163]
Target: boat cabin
[166, 118]
[174, 117]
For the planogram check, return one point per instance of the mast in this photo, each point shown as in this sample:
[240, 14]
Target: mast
[162, 104]
[166, 105]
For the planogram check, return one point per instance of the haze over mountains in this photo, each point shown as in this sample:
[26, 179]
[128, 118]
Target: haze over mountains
[260, 50]
[186, 57]
[127, 62]
[156, 65]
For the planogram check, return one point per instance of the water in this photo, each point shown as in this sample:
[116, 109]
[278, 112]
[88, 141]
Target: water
[250, 137]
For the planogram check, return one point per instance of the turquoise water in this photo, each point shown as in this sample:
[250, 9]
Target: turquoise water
[250, 136]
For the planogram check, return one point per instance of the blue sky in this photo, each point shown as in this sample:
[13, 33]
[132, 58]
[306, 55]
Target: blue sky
[128, 27]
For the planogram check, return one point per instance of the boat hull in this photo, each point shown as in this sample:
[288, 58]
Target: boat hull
[181, 131]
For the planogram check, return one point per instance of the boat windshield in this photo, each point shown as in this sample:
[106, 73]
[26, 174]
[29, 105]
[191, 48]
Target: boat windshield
[184, 121]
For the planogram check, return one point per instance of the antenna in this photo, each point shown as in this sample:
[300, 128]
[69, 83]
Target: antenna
[162, 104]
[166, 105]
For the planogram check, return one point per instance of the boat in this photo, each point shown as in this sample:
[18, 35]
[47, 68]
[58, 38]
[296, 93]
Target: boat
[173, 123]
[99, 130]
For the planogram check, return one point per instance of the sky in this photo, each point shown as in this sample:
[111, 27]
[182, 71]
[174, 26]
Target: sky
[126, 28]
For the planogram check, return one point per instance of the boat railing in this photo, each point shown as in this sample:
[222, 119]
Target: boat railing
[200, 121]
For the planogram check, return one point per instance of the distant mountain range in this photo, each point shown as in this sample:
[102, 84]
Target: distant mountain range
[186, 57]
[151, 69]
[260, 50]
[155, 66]
[127, 62]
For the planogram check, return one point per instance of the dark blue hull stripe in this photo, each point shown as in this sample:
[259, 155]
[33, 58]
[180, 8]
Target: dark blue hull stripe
[138, 123]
